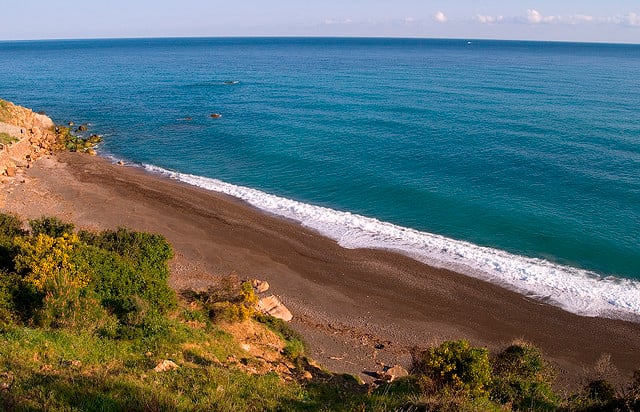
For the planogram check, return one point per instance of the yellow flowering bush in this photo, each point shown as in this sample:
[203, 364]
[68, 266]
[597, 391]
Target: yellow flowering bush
[47, 261]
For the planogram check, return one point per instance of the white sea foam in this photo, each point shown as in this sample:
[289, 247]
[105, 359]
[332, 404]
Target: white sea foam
[575, 290]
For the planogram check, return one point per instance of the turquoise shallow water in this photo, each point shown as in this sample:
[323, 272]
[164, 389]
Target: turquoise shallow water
[524, 147]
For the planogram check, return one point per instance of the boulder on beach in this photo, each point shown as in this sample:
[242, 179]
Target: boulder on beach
[395, 372]
[271, 305]
[260, 286]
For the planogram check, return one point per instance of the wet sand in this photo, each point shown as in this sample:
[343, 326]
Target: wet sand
[357, 309]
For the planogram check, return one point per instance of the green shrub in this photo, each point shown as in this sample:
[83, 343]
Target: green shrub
[117, 278]
[70, 307]
[123, 271]
[148, 251]
[600, 395]
[10, 226]
[455, 366]
[632, 396]
[8, 284]
[293, 350]
[50, 226]
[601, 391]
[522, 379]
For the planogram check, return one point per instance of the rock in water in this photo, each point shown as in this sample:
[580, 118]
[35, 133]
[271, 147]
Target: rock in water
[271, 305]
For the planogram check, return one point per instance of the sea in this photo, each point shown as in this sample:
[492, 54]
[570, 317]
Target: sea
[512, 161]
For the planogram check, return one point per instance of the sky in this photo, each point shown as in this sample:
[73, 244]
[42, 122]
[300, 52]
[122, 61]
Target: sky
[613, 21]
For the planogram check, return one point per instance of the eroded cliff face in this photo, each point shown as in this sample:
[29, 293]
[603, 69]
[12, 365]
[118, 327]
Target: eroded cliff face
[25, 136]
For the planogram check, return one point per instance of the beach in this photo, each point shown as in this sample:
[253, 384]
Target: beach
[357, 309]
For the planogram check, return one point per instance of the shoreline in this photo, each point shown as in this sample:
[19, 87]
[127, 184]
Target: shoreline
[572, 289]
[356, 307]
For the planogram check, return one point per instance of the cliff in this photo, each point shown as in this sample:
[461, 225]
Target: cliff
[24, 137]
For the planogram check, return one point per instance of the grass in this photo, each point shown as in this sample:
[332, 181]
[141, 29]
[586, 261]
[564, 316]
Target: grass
[4, 111]
[6, 138]
[64, 370]
[67, 370]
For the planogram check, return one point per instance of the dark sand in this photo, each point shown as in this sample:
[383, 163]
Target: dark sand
[345, 302]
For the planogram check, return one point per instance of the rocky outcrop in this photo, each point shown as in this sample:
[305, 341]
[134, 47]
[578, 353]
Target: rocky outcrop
[32, 136]
[23, 117]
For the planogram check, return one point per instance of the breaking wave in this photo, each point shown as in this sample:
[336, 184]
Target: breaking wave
[575, 290]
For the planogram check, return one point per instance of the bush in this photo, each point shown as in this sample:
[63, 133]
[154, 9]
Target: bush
[50, 226]
[230, 312]
[68, 306]
[10, 226]
[455, 366]
[65, 282]
[48, 262]
[150, 252]
[522, 379]
[293, 350]
[8, 283]
[230, 301]
[632, 397]
[116, 279]
[601, 391]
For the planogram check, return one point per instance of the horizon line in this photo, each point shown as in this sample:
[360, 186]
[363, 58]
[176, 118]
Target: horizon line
[313, 37]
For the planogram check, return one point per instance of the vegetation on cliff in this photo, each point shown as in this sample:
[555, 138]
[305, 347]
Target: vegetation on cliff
[88, 322]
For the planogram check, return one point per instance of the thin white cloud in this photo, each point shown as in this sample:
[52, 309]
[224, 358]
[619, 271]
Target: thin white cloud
[330, 22]
[481, 18]
[409, 20]
[581, 18]
[535, 17]
[631, 19]
[440, 17]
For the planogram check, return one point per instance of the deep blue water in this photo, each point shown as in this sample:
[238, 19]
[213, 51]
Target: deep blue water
[528, 147]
